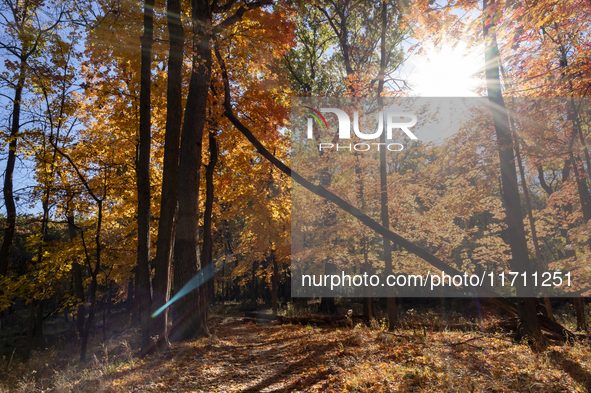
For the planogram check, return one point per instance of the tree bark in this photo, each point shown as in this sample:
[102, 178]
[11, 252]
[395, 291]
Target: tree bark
[143, 174]
[9, 171]
[327, 304]
[526, 305]
[168, 201]
[384, 214]
[207, 287]
[39, 339]
[94, 280]
[78, 286]
[366, 268]
[274, 281]
[530, 217]
[90, 319]
[580, 312]
[129, 300]
[189, 318]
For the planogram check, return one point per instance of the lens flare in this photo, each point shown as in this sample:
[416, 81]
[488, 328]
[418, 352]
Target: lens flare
[199, 279]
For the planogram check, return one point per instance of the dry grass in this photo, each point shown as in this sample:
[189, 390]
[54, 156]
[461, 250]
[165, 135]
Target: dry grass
[57, 367]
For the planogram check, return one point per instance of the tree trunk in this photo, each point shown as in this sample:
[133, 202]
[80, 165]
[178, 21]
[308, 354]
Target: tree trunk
[207, 287]
[532, 224]
[274, 281]
[168, 202]
[9, 171]
[384, 214]
[90, 319]
[585, 205]
[254, 292]
[39, 339]
[94, 282]
[143, 174]
[584, 196]
[327, 304]
[130, 291]
[77, 275]
[580, 312]
[366, 269]
[79, 291]
[109, 298]
[31, 327]
[189, 318]
[526, 305]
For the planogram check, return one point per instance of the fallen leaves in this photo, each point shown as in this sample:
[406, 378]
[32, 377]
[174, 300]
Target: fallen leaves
[251, 358]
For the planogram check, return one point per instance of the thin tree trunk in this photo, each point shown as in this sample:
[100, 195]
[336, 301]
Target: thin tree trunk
[526, 305]
[129, 300]
[90, 319]
[584, 196]
[585, 200]
[9, 171]
[190, 316]
[327, 304]
[384, 214]
[135, 311]
[207, 287]
[31, 327]
[274, 281]
[78, 286]
[44, 227]
[530, 216]
[255, 266]
[366, 268]
[109, 298]
[168, 202]
[143, 173]
[94, 282]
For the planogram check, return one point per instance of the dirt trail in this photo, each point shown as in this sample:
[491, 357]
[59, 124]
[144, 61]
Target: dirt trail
[243, 357]
[238, 358]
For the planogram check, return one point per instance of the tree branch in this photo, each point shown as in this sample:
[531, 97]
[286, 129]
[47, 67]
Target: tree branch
[341, 203]
[229, 21]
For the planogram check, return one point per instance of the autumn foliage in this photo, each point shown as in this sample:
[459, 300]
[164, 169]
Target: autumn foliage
[130, 174]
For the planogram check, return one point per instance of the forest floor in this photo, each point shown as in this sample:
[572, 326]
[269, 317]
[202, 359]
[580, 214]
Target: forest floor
[245, 357]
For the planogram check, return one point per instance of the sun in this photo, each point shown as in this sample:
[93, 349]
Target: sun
[446, 71]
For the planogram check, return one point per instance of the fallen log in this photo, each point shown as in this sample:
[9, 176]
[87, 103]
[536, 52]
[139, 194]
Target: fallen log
[555, 328]
[258, 315]
[322, 320]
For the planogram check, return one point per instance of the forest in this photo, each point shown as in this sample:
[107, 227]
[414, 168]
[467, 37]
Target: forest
[187, 208]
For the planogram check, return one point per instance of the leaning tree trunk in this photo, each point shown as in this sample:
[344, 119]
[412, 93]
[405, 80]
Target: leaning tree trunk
[143, 174]
[526, 304]
[190, 311]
